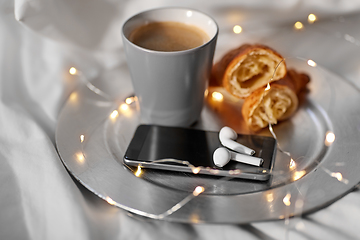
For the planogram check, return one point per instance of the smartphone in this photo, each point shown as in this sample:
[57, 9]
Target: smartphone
[153, 143]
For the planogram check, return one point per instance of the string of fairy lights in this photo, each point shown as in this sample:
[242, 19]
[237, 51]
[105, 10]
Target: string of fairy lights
[129, 103]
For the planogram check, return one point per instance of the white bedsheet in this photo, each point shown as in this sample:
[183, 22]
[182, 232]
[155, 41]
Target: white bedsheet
[41, 39]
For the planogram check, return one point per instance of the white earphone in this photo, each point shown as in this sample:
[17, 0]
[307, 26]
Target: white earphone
[222, 156]
[227, 138]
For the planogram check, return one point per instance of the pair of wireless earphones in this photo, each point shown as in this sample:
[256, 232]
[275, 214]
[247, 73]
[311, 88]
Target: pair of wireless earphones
[240, 152]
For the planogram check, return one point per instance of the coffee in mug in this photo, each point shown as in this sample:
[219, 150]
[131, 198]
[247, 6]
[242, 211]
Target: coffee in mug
[168, 36]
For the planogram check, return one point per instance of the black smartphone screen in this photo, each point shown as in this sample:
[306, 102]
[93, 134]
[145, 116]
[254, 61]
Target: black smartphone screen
[151, 142]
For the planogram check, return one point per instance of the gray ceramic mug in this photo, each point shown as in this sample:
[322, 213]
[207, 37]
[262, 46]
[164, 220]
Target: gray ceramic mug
[170, 86]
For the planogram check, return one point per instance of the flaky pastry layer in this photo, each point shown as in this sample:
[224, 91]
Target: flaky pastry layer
[247, 68]
[270, 105]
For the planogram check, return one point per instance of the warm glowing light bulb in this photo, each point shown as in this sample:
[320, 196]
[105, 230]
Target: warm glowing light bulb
[311, 63]
[196, 170]
[72, 71]
[138, 171]
[82, 138]
[198, 190]
[329, 138]
[110, 201]
[217, 96]
[337, 175]
[124, 107]
[298, 25]
[237, 29]
[114, 114]
[129, 100]
[80, 157]
[286, 199]
[311, 18]
[298, 174]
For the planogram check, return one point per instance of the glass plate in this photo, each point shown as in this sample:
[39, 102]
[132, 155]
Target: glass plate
[95, 127]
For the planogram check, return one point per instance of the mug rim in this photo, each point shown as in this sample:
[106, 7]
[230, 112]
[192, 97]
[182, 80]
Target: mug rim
[212, 38]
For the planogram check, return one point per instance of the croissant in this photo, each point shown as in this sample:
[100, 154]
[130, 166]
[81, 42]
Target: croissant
[247, 68]
[270, 105]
